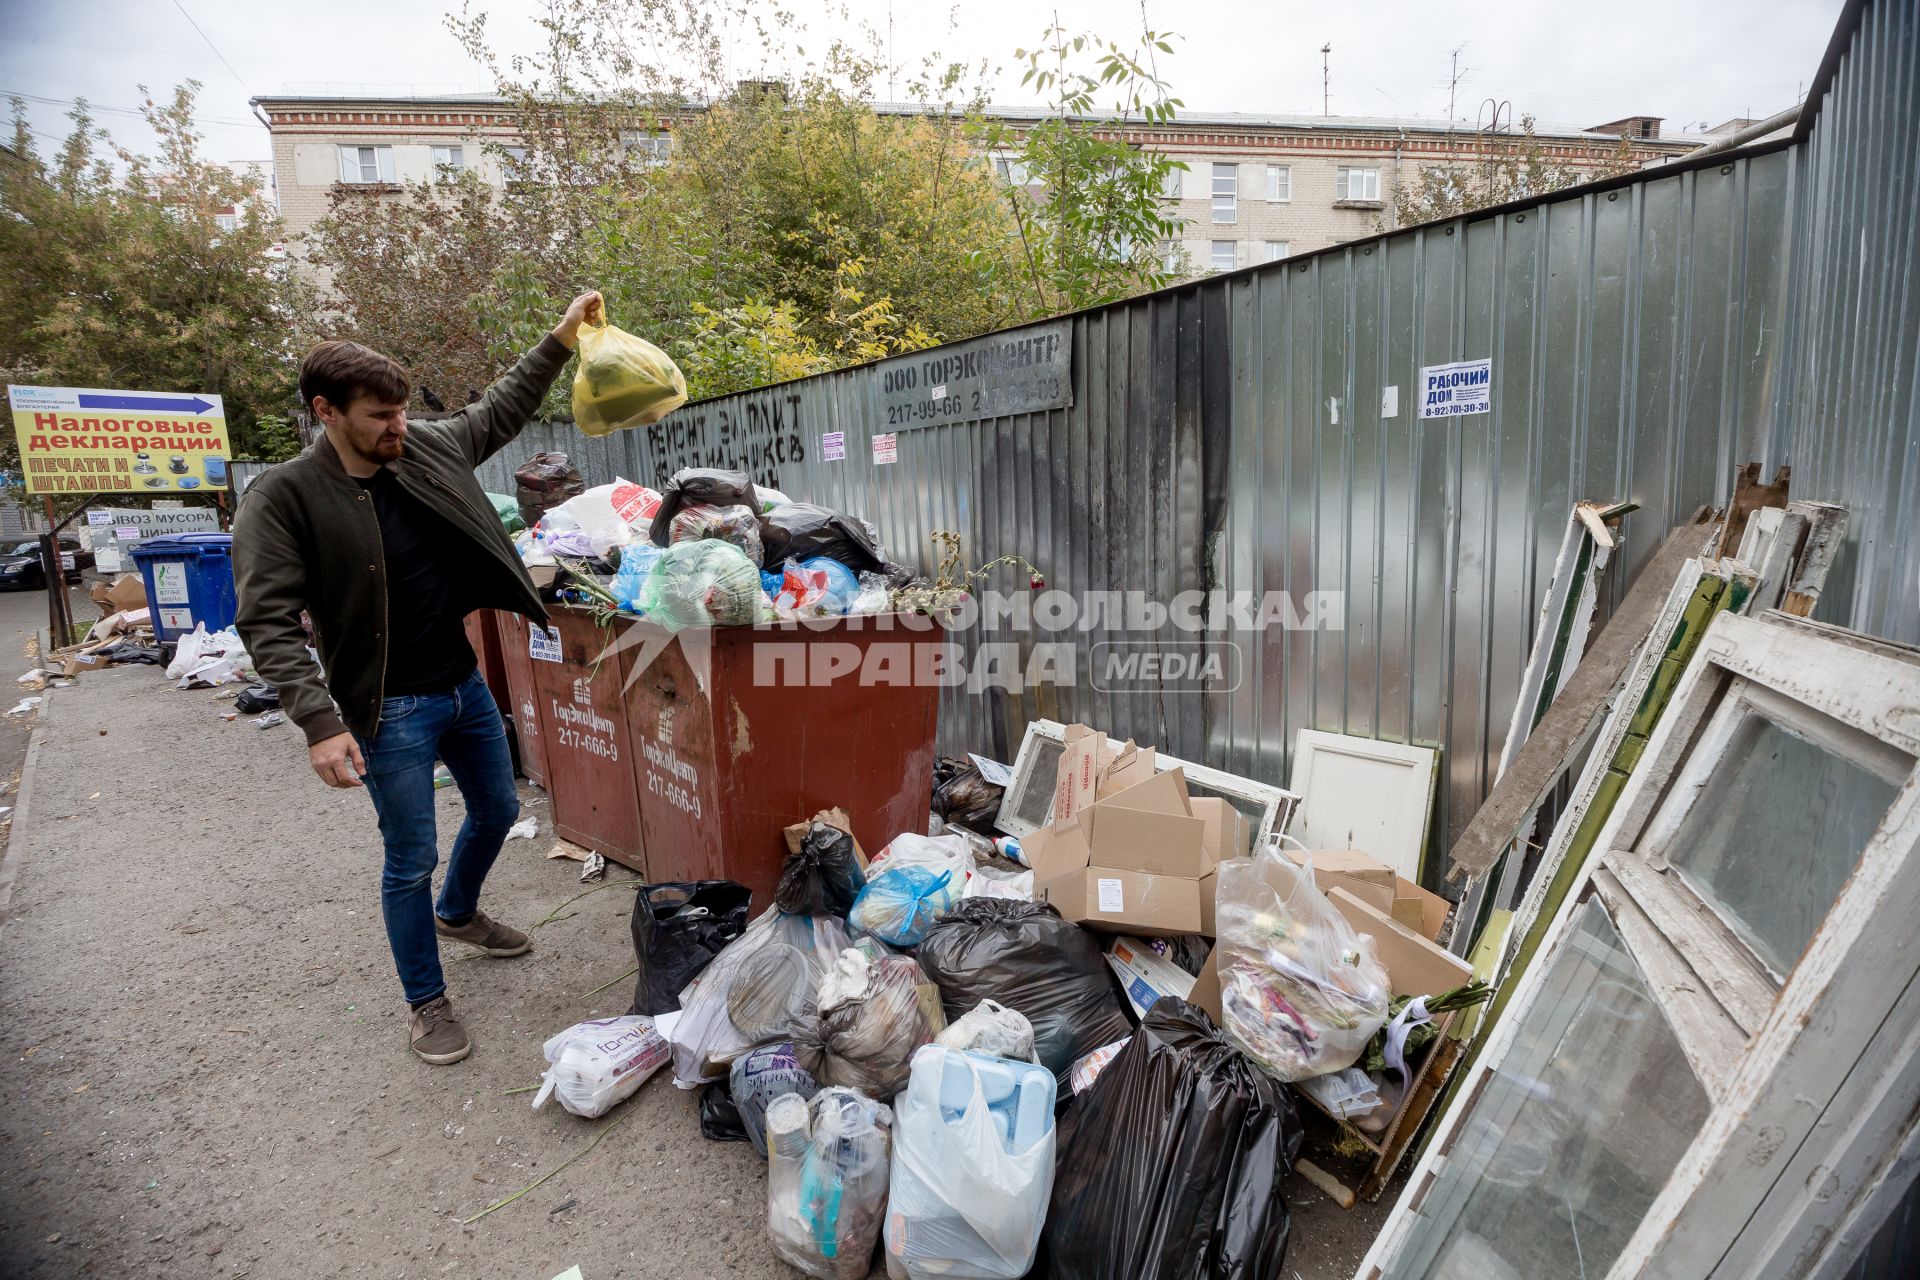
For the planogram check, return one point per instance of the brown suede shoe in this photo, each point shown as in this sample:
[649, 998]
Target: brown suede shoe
[436, 1034]
[490, 936]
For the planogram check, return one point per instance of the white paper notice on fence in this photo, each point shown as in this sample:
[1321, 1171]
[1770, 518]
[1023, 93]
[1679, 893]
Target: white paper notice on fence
[886, 449]
[833, 446]
[544, 643]
[1449, 390]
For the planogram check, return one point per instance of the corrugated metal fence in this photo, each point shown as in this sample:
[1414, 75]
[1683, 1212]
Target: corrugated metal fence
[1647, 335]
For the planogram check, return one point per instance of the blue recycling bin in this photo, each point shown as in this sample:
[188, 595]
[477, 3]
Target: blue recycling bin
[189, 579]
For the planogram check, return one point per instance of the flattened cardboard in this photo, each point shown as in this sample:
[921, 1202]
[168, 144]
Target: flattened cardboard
[1424, 913]
[1146, 975]
[1079, 776]
[1227, 833]
[1206, 988]
[1115, 900]
[125, 592]
[1415, 966]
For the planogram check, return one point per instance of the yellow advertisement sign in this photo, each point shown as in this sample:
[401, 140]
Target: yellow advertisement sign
[89, 440]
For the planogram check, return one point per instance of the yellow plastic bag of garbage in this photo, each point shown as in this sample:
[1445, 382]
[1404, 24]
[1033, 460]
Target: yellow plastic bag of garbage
[623, 381]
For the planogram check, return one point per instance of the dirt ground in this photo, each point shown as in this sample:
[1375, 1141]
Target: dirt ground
[203, 1049]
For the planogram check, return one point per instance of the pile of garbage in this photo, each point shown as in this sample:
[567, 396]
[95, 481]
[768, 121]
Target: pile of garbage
[708, 548]
[1079, 1053]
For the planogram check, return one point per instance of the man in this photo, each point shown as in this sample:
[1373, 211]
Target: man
[381, 534]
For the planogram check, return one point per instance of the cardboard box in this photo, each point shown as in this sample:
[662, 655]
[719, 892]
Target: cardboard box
[1134, 859]
[1123, 901]
[1376, 884]
[1145, 974]
[1226, 832]
[1415, 966]
[1080, 768]
[1206, 988]
[125, 592]
[1209, 895]
[1131, 767]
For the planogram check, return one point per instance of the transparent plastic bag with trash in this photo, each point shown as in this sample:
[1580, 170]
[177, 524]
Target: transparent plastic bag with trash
[702, 584]
[630, 579]
[973, 1144]
[900, 904]
[991, 1028]
[694, 486]
[827, 1173]
[622, 381]
[815, 588]
[736, 524]
[1301, 992]
[594, 1066]
[869, 1015]
[704, 1038]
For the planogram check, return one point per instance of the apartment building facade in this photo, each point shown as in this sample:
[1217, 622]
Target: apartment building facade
[1255, 188]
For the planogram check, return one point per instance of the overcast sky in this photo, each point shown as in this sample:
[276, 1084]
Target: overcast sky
[1565, 63]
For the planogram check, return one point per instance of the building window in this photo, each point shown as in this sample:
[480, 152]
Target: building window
[650, 149]
[366, 164]
[1220, 255]
[1170, 182]
[226, 221]
[515, 154]
[448, 162]
[1279, 182]
[1356, 184]
[1226, 184]
[1272, 250]
[1011, 169]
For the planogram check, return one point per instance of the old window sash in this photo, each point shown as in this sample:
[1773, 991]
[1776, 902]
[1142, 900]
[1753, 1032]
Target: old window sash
[1027, 804]
[1812, 1076]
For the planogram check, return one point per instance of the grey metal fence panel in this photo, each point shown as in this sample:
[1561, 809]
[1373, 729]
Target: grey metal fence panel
[1230, 434]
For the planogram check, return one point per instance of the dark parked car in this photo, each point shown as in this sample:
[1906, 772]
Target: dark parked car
[20, 563]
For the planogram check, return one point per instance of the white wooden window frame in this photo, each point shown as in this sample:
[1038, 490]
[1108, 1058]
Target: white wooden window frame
[1214, 255]
[1346, 177]
[1226, 194]
[1274, 250]
[449, 159]
[1276, 804]
[1814, 1080]
[1279, 183]
[353, 163]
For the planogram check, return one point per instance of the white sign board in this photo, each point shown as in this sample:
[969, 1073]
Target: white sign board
[99, 517]
[544, 644]
[1449, 390]
[833, 446]
[170, 582]
[886, 449]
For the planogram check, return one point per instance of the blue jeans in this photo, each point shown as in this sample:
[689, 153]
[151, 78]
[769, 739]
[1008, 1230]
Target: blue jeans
[463, 728]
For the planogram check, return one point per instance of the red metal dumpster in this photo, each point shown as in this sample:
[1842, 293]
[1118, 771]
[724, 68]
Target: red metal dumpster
[529, 724]
[589, 755]
[484, 636]
[774, 725]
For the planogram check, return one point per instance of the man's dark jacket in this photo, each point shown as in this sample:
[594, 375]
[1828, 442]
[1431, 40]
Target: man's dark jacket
[306, 537]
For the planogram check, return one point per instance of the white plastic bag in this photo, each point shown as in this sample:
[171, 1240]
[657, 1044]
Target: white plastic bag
[941, 853]
[1301, 992]
[705, 1040]
[991, 1028]
[594, 1066]
[610, 515]
[188, 650]
[967, 1200]
[990, 882]
[827, 1180]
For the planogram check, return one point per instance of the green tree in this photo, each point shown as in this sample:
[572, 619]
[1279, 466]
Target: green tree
[1087, 204]
[151, 272]
[1499, 167]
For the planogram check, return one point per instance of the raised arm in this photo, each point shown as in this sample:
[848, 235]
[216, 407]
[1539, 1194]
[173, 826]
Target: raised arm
[490, 424]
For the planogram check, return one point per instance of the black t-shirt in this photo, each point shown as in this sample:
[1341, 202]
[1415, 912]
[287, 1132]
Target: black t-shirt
[427, 649]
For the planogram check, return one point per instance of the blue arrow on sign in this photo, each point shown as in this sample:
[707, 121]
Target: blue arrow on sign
[155, 404]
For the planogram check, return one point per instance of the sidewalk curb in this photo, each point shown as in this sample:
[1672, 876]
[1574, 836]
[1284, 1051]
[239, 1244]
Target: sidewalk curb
[23, 796]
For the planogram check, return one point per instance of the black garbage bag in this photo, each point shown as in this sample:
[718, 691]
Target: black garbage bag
[823, 878]
[255, 698]
[1023, 955]
[963, 798]
[543, 482]
[1170, 1165]
[131, 653]
[800, 530]
[677, 929]
[709, 485]
[719, 1118]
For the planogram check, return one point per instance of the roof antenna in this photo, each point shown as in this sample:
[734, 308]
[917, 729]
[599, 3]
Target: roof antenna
[1326, 75]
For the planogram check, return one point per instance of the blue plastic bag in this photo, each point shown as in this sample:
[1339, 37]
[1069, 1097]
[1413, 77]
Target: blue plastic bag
[636, 562]
[899, 906]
